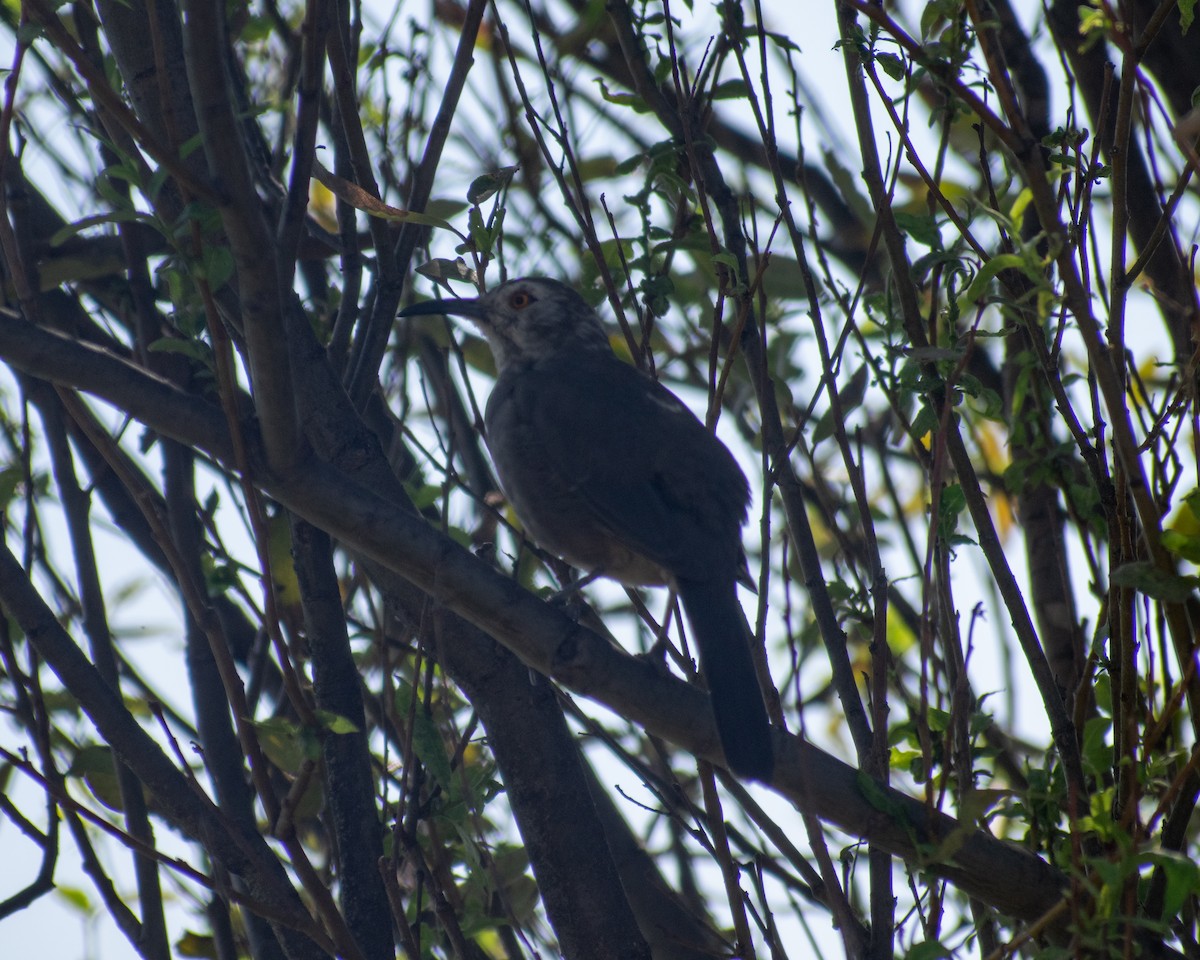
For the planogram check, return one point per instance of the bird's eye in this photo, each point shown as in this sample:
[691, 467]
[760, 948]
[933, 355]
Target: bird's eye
[520, 300]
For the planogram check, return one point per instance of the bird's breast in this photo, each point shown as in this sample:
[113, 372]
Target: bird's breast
[549, 504]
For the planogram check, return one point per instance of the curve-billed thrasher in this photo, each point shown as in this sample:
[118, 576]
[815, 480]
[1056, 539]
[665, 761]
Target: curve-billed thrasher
[610, 471]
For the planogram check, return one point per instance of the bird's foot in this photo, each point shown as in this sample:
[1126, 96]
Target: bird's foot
[571, 591]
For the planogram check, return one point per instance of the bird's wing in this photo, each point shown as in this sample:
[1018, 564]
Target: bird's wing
[642, 462]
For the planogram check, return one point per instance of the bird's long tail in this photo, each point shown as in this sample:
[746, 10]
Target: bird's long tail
[722, 638]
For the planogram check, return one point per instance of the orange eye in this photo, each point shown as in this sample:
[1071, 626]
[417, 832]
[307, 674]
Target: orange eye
[520, 300]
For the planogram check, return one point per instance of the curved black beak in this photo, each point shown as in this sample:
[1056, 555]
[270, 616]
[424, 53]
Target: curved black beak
[450, 308]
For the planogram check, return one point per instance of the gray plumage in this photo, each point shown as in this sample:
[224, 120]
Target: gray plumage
[610, 470]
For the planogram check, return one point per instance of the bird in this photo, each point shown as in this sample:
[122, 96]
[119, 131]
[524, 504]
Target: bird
[609, 470]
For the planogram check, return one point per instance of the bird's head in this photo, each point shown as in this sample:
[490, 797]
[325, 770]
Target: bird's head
[525, 320]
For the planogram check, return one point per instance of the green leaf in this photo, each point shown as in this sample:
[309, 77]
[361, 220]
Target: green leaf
[410, 216]
[878, 797]
[196, 349]
[933, 354]
[597, 168]
[1003, 261]
[1182, 545]
[892, 65]
[925, 422]
[93, 764]
[216, 265]
[1097, 752]
[1187, 13]
[785, 280]
[511, 866]
[287, 744]
[1103, 685]
[481, 236]
[1146, 578]
[191, 145]
[632, 100]
[630, 164]
[193, 944]
[423, 495]
[939, 720]
[784, 42]
[442, 269]
[9, 478]
[1183, 881]
[63, 234]
[731, 90]
[728, 260]
[929, 950]
[74, 897]
[335, 723]
[921, 227]
[902, 759]
[850, 397]
[951, 504]
[824, 428]
[427, 742]
[444, 207]
[484, 187]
